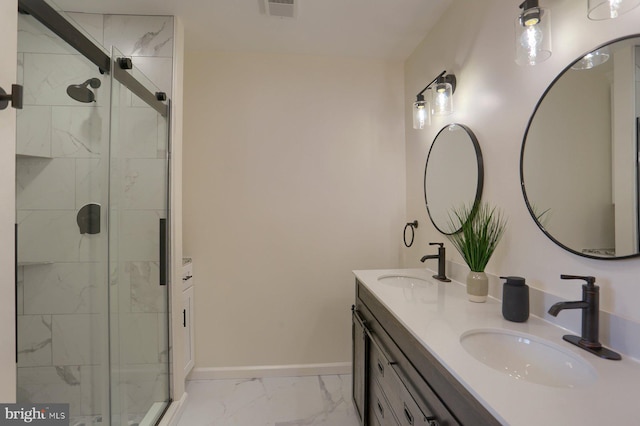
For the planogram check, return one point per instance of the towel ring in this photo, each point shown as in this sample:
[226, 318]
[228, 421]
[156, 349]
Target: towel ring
[413, 225]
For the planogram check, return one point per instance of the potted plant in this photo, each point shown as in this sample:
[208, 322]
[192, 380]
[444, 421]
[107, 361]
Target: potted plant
[480, 229]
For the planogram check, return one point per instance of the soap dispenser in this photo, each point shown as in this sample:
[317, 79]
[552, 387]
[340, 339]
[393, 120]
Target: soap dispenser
[515, 299]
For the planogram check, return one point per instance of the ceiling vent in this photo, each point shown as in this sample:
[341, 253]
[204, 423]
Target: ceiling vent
[280, 8]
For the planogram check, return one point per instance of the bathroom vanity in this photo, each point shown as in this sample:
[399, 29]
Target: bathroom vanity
[424, 355]
[396, 381]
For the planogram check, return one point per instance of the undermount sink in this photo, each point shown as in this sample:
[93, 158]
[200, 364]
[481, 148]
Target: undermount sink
[528, 358]
[403, 281]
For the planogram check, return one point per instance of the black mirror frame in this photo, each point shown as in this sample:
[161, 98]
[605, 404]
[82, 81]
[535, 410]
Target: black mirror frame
[480, 180]
[524, 140]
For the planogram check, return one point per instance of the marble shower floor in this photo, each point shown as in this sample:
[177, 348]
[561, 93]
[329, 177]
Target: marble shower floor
[276, 401]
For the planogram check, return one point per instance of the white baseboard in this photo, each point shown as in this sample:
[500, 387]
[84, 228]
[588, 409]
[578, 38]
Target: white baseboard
[174, 412]
[261, 371]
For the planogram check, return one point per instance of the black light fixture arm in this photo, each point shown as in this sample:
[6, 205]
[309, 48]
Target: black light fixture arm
[430, 84]
[531, 13]
[529, 4]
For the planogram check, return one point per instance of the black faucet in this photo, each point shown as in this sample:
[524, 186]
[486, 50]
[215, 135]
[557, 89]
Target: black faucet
[590, 305]
[442, 276]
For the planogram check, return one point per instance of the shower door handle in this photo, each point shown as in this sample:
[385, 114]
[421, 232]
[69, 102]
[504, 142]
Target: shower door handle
[163, 252]
[15, 97]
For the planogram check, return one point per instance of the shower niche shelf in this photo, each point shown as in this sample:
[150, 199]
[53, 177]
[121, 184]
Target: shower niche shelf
[35, 263]
[20, 155]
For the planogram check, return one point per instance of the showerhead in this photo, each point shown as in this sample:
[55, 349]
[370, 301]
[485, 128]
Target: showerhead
[81, 93]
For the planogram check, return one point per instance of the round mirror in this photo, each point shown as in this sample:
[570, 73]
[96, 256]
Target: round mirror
[453, 175]
[579, 158]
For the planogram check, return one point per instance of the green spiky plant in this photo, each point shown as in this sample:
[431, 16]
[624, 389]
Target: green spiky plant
[542, 218]
[481, 229]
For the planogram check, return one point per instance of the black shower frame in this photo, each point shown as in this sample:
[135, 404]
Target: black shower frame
[53, 20]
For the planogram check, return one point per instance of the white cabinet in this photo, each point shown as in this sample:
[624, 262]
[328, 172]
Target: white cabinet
[188, 316]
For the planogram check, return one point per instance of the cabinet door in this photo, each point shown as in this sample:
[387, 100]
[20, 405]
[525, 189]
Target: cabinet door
[359, 363]
[187, 324]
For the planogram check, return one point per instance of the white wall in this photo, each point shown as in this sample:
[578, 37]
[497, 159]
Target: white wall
[294, 176]
[495, 98]
[8, 49]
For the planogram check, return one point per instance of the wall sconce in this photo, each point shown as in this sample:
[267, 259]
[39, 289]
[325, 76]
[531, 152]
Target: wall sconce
[445, 85]
[421, 113]
[609, 9]
[443, 96]
[533, 34]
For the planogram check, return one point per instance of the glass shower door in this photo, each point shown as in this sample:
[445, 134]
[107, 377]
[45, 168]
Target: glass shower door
[138, 291]
[61, 200]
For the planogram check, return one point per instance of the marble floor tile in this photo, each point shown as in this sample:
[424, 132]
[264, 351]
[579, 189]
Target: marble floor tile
[276, 401]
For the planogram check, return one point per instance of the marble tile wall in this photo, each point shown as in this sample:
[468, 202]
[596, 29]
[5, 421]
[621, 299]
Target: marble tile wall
[148, 40]
[62, 164]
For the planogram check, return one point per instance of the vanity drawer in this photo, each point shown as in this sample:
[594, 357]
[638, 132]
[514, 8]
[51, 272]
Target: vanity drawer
[410, 414]
[379, 410]
[402, 403]
[381, 370]
[394, 384]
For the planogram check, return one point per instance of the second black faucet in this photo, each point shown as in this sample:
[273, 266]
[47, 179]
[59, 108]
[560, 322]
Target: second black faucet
[442, 276]
[590, 305]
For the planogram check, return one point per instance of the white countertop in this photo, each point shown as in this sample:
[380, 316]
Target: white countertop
[438, 314]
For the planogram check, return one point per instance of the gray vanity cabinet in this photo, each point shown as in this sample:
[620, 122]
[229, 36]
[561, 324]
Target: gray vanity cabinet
[359, 365]
[396, 381]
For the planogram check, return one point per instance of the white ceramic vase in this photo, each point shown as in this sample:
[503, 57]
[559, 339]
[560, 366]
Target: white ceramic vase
[477, 286]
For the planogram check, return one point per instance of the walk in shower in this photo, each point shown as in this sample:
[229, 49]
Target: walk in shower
[92, 217]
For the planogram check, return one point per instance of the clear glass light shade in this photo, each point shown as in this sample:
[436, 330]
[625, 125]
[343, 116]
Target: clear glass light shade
[421, 116]
[592, 59]
[443, 99]
[533, 42]
[609, 9]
